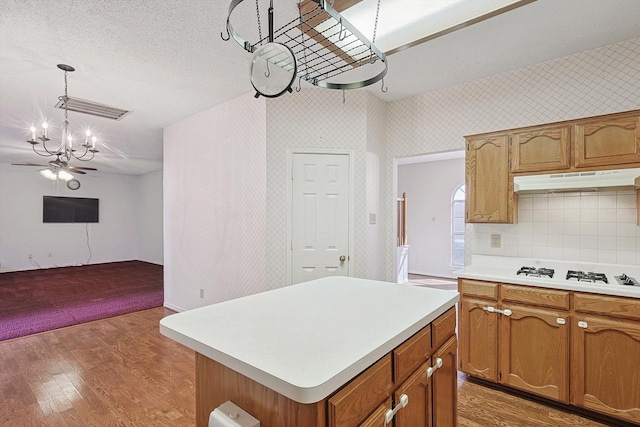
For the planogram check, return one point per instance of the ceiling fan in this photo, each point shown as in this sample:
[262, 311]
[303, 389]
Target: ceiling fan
[58, 169]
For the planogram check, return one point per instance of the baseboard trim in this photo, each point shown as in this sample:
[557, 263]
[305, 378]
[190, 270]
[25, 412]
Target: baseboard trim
[174, 307]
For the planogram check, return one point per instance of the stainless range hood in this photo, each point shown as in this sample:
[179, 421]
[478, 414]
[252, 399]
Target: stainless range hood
[618, 179]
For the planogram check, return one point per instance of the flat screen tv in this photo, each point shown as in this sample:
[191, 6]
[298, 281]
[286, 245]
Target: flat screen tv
[69, 209]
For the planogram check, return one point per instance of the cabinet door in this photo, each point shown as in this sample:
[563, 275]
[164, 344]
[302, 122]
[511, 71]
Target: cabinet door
[605, 368]
[609, 142]
[478, 332]
[444, 385]
[535, 351]
[487, 180]
[377, 419]
[417, 387]
[541, 149]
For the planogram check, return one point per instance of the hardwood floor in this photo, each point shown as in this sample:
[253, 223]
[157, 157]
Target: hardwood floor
[122, 372]
[113, 372]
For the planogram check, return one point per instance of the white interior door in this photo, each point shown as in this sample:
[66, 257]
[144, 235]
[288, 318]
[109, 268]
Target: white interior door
[320, 216]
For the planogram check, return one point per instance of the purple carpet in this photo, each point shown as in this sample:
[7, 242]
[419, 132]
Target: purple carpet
[41, 300]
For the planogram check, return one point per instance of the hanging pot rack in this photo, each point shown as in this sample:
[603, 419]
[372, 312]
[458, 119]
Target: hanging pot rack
[325, 46]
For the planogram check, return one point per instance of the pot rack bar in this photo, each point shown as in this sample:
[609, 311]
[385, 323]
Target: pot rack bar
[324, 44]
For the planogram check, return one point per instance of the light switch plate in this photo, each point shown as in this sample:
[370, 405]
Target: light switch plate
[495, 240]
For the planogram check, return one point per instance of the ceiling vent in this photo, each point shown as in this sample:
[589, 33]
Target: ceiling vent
[93, 108]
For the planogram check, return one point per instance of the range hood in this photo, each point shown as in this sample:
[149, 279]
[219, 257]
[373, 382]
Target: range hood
[618, 179]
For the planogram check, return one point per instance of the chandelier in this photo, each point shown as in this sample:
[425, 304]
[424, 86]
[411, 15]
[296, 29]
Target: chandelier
[66, 150]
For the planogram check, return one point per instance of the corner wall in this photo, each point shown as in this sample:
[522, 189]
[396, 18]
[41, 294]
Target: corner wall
[215, 198]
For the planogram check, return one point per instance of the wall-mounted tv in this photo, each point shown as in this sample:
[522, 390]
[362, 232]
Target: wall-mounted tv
[69, 209]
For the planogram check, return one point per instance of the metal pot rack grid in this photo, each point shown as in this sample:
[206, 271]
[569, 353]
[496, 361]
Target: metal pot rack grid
[324, 44]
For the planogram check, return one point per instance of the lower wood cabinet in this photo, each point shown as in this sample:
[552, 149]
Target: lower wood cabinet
[478, 337]
[535, 351]
[605, 373]
[572, 347]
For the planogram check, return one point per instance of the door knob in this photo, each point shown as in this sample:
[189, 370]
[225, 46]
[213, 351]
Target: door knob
[342, 258]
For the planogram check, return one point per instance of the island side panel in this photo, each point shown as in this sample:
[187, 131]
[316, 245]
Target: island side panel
[215, 384]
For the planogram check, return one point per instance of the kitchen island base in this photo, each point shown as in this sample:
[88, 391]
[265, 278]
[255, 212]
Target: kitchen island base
[425, 363]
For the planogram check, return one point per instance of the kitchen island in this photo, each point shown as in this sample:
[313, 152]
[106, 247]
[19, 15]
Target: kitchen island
[332, 352]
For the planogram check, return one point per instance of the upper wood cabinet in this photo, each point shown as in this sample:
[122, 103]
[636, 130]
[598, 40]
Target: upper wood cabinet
[487, 179]
[607, 142]
[541, 149]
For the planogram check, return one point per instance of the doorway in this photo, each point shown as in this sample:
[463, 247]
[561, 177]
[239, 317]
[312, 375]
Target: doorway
[320, 226]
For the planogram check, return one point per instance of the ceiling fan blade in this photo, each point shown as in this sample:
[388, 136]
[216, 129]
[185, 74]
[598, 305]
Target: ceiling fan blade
[29, 164]
[85, 169]
[75, 170]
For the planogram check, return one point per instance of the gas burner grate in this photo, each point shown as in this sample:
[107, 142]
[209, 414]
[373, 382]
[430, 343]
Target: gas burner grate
[623, 279]
[592, 277]
[536, 272]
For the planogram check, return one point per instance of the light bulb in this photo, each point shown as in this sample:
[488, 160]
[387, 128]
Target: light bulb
[33, 133]
[64, 175]
[45, 126]
[93, 142]
[86, 139]
[49, 174]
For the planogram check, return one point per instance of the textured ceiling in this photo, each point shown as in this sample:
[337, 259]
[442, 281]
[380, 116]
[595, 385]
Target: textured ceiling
[165, 61]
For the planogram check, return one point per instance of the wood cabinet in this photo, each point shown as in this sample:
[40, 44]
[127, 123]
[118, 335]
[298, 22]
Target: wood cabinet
[412, 368]
[535, 351]
[541, 149]
[607, 142]
[487, 180]
[493, 159]
[572, 347]
[605, 374]
[478, 329]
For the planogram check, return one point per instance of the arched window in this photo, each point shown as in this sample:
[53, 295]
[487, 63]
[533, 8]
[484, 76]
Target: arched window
[457, 227]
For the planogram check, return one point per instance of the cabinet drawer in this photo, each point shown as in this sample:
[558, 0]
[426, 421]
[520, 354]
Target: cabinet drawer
[610, 306]
[536, 296]
[353, 403]
[443, 327]
[411, 353]
[477, 288]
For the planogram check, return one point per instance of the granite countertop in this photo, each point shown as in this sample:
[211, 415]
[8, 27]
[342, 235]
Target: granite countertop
[305, 341]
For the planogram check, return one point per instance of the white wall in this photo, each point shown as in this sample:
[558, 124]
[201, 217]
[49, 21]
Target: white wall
[114, 238]
[599, 81]
[429, 187]
[150, 218]
[214, 211]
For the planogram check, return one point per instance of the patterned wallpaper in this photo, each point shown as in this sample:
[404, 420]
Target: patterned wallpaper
[599, 81]
[214, 223]
[225, 215]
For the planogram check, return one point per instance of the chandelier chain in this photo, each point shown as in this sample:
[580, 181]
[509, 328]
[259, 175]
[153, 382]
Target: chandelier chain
[66, 97]
[375, 25]
[259, 26]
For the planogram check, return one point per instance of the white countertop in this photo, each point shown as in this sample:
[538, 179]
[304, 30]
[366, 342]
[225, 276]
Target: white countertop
[503, 269]
[305, 341]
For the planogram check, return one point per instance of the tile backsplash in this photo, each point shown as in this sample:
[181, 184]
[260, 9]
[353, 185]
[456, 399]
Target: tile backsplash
[587, 226]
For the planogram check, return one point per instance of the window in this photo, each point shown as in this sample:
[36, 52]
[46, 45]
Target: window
[457, 227]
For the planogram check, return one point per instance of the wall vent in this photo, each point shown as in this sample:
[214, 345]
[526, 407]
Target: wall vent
[93, 108]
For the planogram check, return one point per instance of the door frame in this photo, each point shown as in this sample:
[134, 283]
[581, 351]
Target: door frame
[331, 151]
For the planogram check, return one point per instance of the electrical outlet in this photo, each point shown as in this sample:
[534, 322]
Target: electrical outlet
[30, 256]
[495, 240]
[201, 293]
[50, 254]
